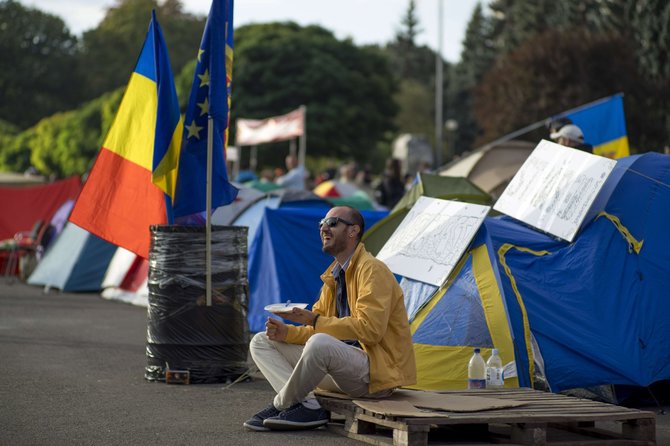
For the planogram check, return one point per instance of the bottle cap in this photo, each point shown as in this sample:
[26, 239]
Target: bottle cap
[477, 350]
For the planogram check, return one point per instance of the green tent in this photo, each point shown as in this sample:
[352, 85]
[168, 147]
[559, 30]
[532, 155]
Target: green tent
[359, 200]
[429, 185]
[263, 186]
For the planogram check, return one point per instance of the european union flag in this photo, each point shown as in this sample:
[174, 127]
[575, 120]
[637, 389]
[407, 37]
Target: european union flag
[210, 96]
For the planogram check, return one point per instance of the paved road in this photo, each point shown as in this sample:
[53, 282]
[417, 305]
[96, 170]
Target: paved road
[72, 373]
[72, 368]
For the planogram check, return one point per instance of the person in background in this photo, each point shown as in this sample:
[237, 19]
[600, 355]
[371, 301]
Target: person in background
[555, 124]
[348, 172]
[392, 187]
[571, 136]
[267, 176]
[356, 340]
[295, 175]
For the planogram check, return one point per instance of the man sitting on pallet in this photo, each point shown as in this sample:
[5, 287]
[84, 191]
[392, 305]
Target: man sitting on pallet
[356, 340]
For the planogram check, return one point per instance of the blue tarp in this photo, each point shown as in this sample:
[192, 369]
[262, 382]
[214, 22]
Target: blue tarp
[599, 310]
[285, 258]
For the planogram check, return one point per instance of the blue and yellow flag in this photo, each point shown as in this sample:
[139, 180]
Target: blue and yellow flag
[210, 96]
[604, 126]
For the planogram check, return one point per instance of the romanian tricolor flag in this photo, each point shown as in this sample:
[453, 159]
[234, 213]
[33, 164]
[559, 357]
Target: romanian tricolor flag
[210, 96]
[133, 179]
[603, 125]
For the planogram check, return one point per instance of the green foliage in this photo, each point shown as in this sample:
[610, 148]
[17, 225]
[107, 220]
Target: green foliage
[477, 57]
[416, 105]
[514, 22]
[522, 60]
[347, 90]
[7, 128]
[15, 153]
[65, 143]
[515, 95]
[409, 61]
[40, 72]
[110, 50]
[557, 71]
[649, 24]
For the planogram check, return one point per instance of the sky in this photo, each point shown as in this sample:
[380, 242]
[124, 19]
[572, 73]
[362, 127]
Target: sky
[364, 21]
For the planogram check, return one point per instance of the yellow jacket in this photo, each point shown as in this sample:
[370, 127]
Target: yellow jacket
[378, 320]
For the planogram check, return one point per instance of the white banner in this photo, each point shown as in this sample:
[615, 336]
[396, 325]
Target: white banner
[278, 128]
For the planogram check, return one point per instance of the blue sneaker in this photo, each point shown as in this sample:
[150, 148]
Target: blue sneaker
[297, 417]
[255, 423]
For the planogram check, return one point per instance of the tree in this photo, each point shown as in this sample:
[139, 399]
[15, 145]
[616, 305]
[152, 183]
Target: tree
[110, 50]
[63, 144]
[514, 22]
[404, 47]
[557, 71]
[40, 72]
[649, 24]
[347, 90]
[416, 108]
[408, 60]
[477, 57]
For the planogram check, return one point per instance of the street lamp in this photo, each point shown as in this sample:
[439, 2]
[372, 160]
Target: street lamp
[438, 89]
[451, 125]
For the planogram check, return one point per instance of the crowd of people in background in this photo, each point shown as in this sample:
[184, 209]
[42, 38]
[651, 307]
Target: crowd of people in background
[388, 187]
[385, 189]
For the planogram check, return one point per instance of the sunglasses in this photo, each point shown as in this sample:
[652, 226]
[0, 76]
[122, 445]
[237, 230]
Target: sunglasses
[331, 222]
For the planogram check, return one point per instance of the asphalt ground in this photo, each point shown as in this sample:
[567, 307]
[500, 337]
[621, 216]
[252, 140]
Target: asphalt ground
[72, 373]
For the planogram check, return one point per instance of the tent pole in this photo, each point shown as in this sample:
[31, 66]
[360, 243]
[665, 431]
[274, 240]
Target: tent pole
[208, 211]
[253, 158]
[303, 138]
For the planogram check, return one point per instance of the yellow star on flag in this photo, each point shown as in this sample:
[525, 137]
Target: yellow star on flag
[200, 52]
[193, 130]
[204, 78]
[204, 106]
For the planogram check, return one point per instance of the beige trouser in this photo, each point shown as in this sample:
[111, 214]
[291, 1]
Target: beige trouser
[294, 371]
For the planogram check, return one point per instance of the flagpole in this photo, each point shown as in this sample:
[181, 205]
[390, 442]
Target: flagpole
[208, 210]
[302, 151]
[538, 124]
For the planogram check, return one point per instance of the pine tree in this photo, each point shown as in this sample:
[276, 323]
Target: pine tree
[477, 57]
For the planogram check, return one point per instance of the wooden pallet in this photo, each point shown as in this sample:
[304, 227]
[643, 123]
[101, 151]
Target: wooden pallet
[545, 419]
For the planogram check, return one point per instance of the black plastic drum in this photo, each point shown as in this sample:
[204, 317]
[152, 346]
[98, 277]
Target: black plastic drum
[183, 333]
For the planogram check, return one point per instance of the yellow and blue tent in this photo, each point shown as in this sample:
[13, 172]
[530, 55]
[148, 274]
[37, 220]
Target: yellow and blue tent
[586, 313]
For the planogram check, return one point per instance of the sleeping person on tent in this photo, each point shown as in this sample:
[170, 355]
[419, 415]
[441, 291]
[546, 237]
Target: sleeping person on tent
[356, 340]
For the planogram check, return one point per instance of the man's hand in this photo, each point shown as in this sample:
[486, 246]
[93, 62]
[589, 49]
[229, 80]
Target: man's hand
[276, 330]
[299, 315]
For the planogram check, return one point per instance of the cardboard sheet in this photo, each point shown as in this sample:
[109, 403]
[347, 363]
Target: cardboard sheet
[412, 401]
[396, 409]
[453, 403]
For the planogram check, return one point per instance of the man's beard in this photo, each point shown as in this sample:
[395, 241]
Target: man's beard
[335, 247]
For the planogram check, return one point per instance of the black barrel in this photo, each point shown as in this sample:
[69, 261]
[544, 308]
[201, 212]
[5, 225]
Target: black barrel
[183, 333]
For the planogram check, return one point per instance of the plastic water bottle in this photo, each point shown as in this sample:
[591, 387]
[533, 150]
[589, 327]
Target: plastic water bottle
[494, 371]
[476, 371]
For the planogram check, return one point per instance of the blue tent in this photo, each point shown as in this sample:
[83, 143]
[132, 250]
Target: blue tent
[285, 258]
[599, 307]
[591, 312]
